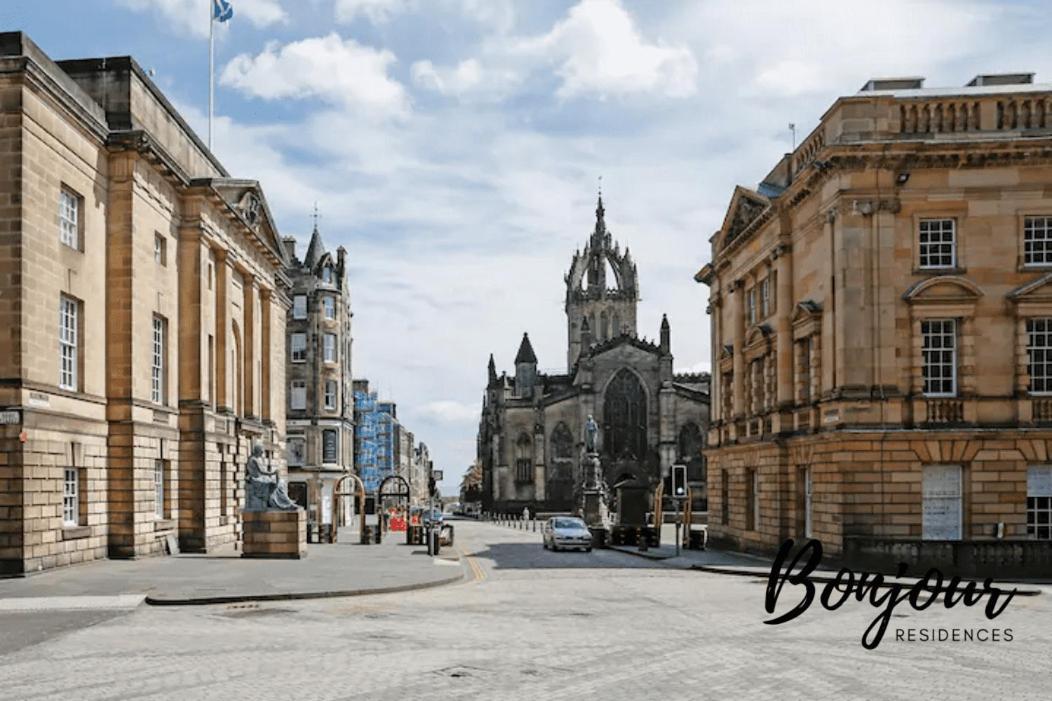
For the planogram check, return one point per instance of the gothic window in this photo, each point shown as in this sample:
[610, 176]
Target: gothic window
[690, 443]
[523, 458]
[604, 326]
[562, 442]
[617, 324]
[625, 415]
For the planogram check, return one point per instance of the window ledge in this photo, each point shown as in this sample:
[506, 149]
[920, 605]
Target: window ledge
[75, 532]
[164, 524]
[956, 270]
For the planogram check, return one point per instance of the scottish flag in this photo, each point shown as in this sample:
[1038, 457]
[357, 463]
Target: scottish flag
[222, 10]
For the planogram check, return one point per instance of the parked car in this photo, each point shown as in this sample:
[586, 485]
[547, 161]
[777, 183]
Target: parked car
[566, 532]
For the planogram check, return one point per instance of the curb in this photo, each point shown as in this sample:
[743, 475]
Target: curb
[210, 600]
[637, 553]
[830, 580]
[115, 602]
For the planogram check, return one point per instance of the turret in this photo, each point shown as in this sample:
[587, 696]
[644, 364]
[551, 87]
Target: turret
[525, 368]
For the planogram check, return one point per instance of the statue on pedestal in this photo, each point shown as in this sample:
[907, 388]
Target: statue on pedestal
[264, 490]
[591, 436]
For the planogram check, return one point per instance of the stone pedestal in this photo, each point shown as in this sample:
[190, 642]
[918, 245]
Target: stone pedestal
[275, 534]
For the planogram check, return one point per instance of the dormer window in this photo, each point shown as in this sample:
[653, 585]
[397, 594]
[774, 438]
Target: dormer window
[326, 274]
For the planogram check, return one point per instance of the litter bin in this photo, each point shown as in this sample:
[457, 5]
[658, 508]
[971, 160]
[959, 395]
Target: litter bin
[414, 535]
[445, 536]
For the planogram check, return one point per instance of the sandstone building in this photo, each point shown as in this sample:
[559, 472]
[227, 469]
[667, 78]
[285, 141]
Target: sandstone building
[531, 432]
[320, 442]
[143, 305]
[881, 316]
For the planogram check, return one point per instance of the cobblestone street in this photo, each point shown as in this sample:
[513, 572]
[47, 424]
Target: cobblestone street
[526, 623]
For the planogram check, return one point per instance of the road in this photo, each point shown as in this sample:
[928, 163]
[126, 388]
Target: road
[525, 624]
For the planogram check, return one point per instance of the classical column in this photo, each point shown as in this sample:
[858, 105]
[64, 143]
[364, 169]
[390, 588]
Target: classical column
[265, 344]
[248, 342]
[222, 327]
[783, 265]
[738, 340]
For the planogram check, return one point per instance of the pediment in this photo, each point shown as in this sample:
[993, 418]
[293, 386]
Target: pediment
[757, 335]
[1037, 290]
[745, 206]
[943, 289]
[806, 311]
[245, 198]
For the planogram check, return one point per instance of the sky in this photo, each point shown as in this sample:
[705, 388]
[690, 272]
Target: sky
[454, 147]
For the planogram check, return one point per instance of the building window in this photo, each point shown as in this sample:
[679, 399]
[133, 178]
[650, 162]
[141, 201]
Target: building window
[330, 394]
[939, 357]
[725, 505]
[68, 335]
[1039, 355]
[750, 306]
[803, 369]
[299, 347]
[297, 452]
[160, 249]
[158, 488]
[808, 501]
[752, 499]
[69, 218]
[157, 371]
[941, 509]
[938, 243]
[330, 348]
[326, 274]
[523, 459]
[328, 304]
[1039, 502]
[765, 297]
[330, 446]
[298, 395]
[71, 497]
[1037, 241]
[211, 275]
[299, 307]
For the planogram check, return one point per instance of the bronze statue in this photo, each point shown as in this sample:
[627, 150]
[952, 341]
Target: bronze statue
[264, 490]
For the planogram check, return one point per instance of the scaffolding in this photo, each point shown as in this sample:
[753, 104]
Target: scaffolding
[374, 451]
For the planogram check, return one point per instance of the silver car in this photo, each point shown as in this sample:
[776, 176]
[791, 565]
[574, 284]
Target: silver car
[566, 532]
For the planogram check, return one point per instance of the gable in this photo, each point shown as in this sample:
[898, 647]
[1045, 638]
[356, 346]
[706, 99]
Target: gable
[1038, 290]
[745, 207]
[245, 200]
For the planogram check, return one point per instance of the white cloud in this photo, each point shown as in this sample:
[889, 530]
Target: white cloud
[339, 71]
[596, 49]
[192, 16]
[450, 411]
[376, 11]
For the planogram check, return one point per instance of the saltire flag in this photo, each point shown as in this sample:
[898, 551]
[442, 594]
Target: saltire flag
[222, 10]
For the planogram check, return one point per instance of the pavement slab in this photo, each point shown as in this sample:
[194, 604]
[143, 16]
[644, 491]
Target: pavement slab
[226, 577]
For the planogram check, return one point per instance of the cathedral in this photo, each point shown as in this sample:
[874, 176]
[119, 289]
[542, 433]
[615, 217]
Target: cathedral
[531, 433]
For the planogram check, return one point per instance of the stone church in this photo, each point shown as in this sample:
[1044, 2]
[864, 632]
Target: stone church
[531, 435]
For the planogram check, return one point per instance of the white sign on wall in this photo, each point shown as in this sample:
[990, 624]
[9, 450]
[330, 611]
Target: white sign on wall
[941, 512]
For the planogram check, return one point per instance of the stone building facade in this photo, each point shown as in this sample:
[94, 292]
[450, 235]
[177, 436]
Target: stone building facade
[880, 314]
[320, 443]
[531, 432]
[144, 305]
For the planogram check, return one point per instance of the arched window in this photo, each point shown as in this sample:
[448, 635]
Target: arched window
[604, 326]
[625, 417]
[523, 458]
[617, 324]
[562, 442]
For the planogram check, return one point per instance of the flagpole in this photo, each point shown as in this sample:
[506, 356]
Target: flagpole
[211, 70]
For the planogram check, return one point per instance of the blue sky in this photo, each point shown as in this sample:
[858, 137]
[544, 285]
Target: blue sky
[453, 146]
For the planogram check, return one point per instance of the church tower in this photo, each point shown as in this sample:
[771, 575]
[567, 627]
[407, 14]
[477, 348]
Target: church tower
[602, 288]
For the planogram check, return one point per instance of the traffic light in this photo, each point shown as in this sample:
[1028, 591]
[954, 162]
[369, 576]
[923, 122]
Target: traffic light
[679, 481]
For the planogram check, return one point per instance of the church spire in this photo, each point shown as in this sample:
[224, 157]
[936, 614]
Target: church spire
[316, 249]
[492, 371]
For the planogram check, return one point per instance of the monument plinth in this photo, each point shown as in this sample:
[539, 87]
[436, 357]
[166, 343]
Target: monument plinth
[274, 525]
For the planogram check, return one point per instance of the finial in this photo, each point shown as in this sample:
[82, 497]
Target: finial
[315, 216]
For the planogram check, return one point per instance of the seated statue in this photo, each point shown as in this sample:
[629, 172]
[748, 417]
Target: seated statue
[264, 491]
